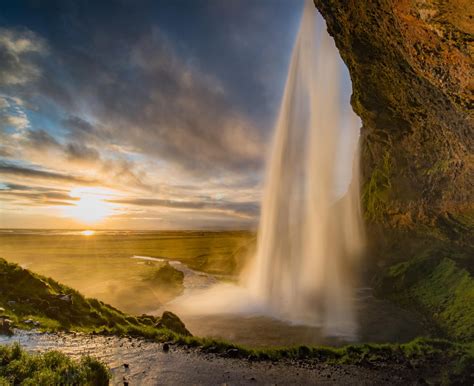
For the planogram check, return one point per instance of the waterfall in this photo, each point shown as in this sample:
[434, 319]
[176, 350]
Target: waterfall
[309, 241]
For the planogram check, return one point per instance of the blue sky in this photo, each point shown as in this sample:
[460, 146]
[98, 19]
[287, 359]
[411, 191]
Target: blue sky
[161, 111]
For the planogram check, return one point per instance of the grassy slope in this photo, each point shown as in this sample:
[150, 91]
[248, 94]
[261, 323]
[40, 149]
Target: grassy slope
[35, 297]
[25, 295]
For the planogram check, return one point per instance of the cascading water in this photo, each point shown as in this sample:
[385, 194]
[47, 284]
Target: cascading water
[308, 240]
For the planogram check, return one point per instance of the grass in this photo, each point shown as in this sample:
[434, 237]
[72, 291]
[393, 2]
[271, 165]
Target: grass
[436, 286]
[51, 368]
[440, 361]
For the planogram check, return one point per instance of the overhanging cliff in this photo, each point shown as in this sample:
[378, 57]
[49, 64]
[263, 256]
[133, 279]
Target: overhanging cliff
[411, 64]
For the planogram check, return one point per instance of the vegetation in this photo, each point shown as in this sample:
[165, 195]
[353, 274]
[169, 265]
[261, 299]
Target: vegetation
[376, 190]
[29, 300]
[438, 360]
[27, 297]
[438, 287]
[51, 368]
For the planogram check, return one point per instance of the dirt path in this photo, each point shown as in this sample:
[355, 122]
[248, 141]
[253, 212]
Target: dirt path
[139, 362]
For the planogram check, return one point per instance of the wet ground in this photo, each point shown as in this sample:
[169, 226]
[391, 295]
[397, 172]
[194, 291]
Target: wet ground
[138, 362]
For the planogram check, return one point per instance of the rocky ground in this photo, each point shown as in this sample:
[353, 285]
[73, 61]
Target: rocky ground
[140, 362]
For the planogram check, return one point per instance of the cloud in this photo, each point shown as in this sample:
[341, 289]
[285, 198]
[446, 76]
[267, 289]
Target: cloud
[154, 101]
[17, 51]
[35, 195]
[40, 139]
[26, 172]
[247, 209]
[18, 122]
[81, 152]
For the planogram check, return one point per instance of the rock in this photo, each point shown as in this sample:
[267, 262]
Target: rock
[11, 302]
[172, 322]
[2, 310]
[65, 298]
[6, 326]
[232, 353]
[211, 349]
[125, 365]
[166, 347]
[411, 71]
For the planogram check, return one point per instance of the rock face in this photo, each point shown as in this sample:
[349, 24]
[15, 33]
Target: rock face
[412, 69]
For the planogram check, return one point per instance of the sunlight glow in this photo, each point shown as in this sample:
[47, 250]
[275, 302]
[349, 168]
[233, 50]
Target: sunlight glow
[91, 206]
[87, 233]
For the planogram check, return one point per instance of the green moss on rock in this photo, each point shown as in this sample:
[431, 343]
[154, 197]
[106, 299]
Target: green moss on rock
[439, 288]
[375, 193]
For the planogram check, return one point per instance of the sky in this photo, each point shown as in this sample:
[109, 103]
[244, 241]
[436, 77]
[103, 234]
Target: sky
[137, 114]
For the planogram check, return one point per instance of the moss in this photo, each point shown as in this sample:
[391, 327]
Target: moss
[438, 287]
[440, 167]
[376, 190]
[51, 368]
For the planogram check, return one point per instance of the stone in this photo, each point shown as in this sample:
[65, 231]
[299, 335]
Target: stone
[172, 322]
[232, 353]
[6, 326]
[65, 298]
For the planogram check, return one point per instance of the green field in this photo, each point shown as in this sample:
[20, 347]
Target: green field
[100, 265]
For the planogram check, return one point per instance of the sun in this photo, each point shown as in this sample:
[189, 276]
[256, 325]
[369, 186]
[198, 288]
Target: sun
[91, 207]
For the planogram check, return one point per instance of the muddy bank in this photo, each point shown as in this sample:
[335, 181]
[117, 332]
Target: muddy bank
[140, 362]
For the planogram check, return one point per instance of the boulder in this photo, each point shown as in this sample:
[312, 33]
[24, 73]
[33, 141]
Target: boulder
[172, 322]
[6, 326]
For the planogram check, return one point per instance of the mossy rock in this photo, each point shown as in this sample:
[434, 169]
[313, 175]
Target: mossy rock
[436, 286]
[172, 322]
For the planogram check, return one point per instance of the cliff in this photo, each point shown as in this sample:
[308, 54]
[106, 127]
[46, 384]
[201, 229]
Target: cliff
[411, 65]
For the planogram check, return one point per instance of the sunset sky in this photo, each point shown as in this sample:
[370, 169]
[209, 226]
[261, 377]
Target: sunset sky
[139, 114]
